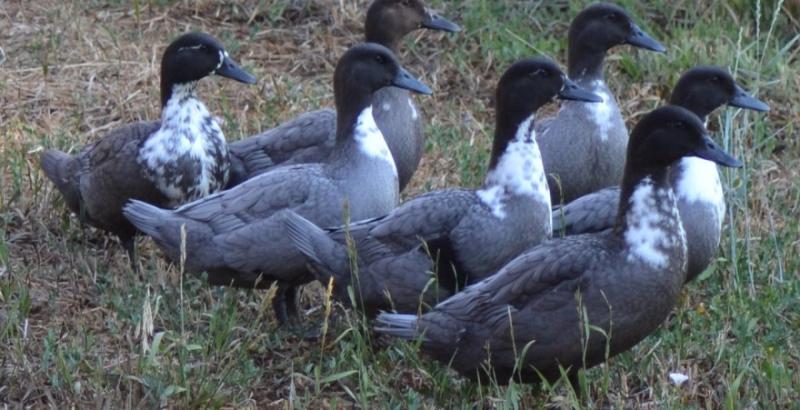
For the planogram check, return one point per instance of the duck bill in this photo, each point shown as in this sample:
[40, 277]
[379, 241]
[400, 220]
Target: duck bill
[229, 69]
[714, 153]
[638, 38]
[404, 79]
[744, 100]
[435, 22]
[572, 91]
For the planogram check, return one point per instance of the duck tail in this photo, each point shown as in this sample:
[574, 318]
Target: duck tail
[56, 166]
[399, 325]
[159, 224]
[328, 257]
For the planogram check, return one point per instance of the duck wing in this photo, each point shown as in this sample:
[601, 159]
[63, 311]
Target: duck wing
[98, 181]
[308, 138]
[593, 212]
[428, 217]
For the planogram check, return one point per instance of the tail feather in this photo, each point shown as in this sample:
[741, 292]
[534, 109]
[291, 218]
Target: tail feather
[56, 165]
[399, 325]
[147, 218]
[328, 256]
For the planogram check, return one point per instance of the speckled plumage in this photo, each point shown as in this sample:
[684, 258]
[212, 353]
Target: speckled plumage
[166, 163]
[434, 244]
[701, 201]
[237, 235]
[187, 157]
[541, 302]
[310, 138]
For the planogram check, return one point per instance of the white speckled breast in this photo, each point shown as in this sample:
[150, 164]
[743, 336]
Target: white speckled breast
[652, 223]
[187, 158]
[519, 171]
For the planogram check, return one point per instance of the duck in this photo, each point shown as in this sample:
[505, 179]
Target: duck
[169, 162]
[237, 236]
[701, 201]
[311, 137]
[583, 145]
[526, 321]
[458, 233]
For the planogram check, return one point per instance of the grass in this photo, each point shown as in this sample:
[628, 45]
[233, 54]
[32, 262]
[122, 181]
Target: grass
[79, 329]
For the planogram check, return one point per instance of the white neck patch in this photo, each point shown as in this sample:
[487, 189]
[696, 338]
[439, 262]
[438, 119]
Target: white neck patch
[600, 112]
[649, 233]
[187, 129]
[370, 138]
[519, 171]
[699, 182]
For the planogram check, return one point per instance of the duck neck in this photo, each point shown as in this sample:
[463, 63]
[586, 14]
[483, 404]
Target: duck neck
[183, 91]
[585, 64]
[648, 220]
[183, 109]
[351, 103]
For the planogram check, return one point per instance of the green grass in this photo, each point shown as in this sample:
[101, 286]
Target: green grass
[79, 329]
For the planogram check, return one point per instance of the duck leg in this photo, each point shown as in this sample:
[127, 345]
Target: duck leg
[279, 304]
[129, 244]
[292, 303]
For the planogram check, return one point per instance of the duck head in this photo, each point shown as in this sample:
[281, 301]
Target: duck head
[704, 89]
[193, 56]
[598, 28]
[388, 21]
[531, 83]
[669, 133]
[362, 70]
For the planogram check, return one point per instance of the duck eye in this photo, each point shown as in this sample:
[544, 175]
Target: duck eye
[380, 59]
[716, 79]
[611, 16]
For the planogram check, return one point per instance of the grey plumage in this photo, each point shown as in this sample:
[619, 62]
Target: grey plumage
[529, 320]
[311, 137]
[701, 90]
[583, 146]
[97, 182]
[149, 161]
[393, 289]
[593, 212]
[308, 138]
[238, 237]
[435, 244]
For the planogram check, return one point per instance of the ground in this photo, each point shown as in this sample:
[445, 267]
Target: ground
[78, 328]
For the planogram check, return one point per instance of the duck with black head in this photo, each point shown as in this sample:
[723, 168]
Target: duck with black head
[527, 321]
[701, 200]
[583, 146]
[311, 137]
[237, 235]
[179, 159]
[461, 234]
